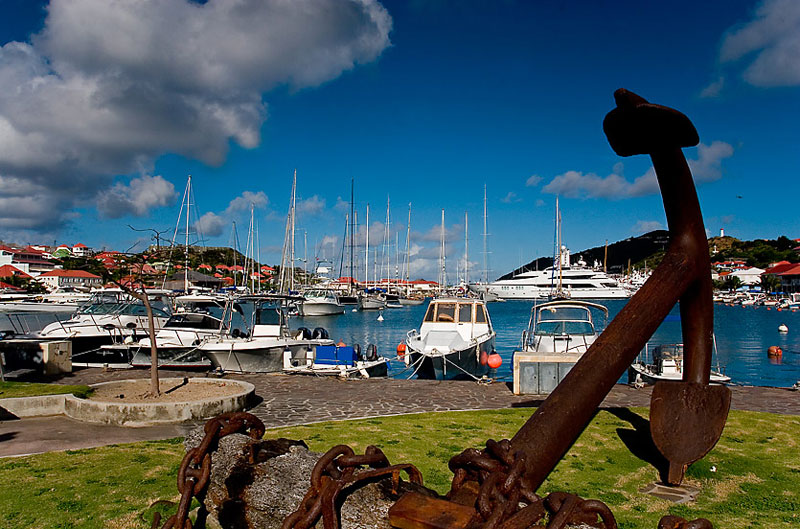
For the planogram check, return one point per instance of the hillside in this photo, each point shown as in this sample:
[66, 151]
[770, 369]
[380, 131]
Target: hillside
[647, 251]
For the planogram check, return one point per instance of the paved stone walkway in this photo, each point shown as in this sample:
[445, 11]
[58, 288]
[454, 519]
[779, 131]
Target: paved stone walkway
[290, 400]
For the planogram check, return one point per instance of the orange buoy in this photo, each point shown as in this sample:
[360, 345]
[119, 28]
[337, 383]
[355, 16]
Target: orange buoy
[340, 344]
[484, 359]
[401, 349]
[774, 350]
[495, 361]
[779, 309]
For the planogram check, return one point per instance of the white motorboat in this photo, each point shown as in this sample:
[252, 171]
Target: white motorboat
[371, 300]
[665, 362]
[454, 341]
[338, 360]
[320, 302]
[110, 316]
[197, 318]
[62, 300]
[558, 334]
[263, 350]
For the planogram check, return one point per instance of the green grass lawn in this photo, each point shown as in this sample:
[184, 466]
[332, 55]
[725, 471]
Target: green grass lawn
[755, 481]
[32, 389]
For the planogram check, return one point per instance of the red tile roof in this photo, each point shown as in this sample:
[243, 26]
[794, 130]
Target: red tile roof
[779, 268]
[59, 272]
[12, 271]
[794, 270]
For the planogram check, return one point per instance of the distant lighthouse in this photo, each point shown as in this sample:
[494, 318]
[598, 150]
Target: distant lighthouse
[722, 232]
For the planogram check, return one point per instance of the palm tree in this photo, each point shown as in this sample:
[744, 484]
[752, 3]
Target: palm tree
[770, 283]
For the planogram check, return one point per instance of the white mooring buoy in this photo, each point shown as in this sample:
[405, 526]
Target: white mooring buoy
[783, 328]
[380, 316]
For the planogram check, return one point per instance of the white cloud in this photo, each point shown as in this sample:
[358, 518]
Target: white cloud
[107, 87]
[533, 180]
[769, 44]
[714, 88]
[210, 225]
[311, 206]
[645, 226]
[510, 198]
[137, 198]
[243, 202]
[575, 184]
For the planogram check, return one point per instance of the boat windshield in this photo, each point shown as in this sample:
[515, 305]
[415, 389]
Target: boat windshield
[563, 321]
[193, 321]
[268, 315]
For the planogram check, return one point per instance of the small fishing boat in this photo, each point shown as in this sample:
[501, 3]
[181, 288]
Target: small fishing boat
[558, 334]
[338, 360]
[454, 341]
[319, 302]
[263, 349]
[665, 362]
[371, 299]
[65, 300]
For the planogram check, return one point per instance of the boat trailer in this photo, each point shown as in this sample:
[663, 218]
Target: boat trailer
[495, 488]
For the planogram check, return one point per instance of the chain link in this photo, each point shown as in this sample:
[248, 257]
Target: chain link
[338, 468]
[195, 469]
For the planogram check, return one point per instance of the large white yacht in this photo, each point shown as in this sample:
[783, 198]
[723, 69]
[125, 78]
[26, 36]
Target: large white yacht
[577, 281]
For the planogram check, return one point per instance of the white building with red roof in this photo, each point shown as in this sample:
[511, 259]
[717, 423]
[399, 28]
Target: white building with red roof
[71, 278]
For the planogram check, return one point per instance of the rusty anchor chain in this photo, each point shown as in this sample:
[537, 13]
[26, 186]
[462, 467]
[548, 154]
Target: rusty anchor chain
[337, 469]
[195, 469]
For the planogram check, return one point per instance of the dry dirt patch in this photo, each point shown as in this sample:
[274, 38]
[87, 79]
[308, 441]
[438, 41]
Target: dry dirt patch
[137, 391]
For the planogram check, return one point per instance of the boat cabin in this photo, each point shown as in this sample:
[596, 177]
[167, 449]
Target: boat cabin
[667, 359]
[561, 327]
[467, 316]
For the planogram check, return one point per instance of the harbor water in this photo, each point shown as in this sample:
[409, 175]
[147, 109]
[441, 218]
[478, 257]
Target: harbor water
[743, 335]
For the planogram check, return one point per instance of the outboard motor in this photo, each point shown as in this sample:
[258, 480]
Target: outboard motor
[357, 350]
[302, 333]
[372, 352]
[320, 334]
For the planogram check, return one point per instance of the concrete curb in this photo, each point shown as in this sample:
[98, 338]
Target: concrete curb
[150, 413]
[39, 406]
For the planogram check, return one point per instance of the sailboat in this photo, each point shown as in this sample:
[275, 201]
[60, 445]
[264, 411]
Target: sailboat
[369, 299]
[408, 299]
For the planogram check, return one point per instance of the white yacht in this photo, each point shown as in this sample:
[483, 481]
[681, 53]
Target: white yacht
[665, 362]
[577, 281]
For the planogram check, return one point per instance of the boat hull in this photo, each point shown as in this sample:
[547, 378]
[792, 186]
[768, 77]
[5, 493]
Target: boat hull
[253, 357]
[640, 373]
[457, 365]
[320, 309]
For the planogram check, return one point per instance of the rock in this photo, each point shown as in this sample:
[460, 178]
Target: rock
[241, 495]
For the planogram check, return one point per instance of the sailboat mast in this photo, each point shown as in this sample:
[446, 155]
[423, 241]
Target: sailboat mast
[386, 244]
[352, 231]
[485, 236]
[407, 263]
[366, 253]
[442, 257]
[466, 249]
[186, 246]
[294, 205]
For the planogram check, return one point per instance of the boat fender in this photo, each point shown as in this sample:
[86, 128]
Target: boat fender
[783, 328]
[484, 358]
[401, 349]
[303, 333]
[357, 351]
[320, 334]
[774, 350]
[372, 352]
[495, 361]
[341, 344]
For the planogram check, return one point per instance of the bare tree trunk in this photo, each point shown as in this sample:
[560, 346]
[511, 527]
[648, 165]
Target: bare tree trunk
[155, 391]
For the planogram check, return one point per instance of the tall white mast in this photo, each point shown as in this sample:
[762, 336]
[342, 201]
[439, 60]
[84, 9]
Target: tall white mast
[407, 263]
[442, 259]
[186, 247]
[386, 244]
[294, 212]
[366, 256]
[485, 236]
[466, 249]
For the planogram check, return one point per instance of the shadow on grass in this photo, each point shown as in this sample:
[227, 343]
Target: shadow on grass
[639, 441]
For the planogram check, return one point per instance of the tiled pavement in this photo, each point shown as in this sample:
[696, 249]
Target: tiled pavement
[298, 399]
[289, 400]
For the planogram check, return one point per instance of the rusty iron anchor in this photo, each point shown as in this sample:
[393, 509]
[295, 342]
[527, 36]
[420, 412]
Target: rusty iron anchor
[687, 417]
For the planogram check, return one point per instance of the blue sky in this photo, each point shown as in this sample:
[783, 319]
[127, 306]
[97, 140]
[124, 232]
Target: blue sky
[105, 108]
